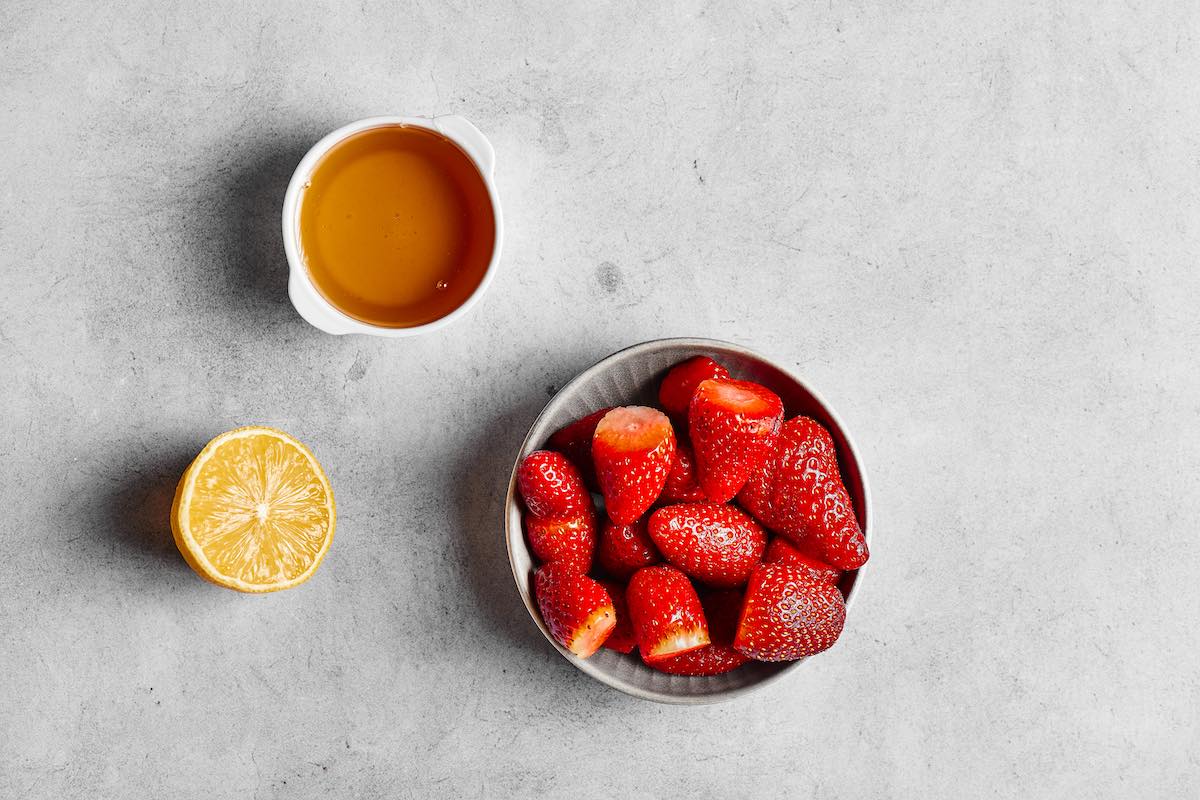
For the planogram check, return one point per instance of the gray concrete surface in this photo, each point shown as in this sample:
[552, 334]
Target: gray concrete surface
[975, 230]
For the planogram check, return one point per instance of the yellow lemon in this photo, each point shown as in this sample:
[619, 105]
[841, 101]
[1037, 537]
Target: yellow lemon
[254, 512]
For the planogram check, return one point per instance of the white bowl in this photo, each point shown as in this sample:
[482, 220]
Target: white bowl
[309, 303]
[631, 377]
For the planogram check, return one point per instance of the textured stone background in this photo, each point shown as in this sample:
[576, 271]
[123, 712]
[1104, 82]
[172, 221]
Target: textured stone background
[975, 230]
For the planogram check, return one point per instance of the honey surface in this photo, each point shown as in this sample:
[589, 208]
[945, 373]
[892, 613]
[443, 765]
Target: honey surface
[396, 227]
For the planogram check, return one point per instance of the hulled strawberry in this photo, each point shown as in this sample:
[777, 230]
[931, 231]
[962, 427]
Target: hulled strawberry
[666, 612]
[675, 393]
[571, 540]
[575, 442]
[787, 615]
[716, 544]
[633, 449]
[624, 549]
[721, 610]
[578, 611]
[681, 485]
[734, 426]
[799, 493]
[552, 486]
[622, 639]
[781, 551]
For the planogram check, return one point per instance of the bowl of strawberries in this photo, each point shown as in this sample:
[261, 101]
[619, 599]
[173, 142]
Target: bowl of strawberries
[687, 521]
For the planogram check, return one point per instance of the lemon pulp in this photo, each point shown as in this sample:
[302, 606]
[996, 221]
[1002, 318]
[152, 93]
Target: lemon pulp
[254, 511]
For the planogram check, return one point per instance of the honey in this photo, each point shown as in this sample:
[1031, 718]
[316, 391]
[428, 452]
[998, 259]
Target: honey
[396, 226]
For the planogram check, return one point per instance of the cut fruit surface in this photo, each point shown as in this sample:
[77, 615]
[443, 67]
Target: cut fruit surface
[734, 427]
[722, 610]
[633, 429]
[681, 642]
[666, 613]
[577, 610]
[742, 397]
[633, 449]
[254, 512]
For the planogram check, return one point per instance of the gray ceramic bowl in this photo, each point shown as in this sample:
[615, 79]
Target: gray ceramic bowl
[631, 377]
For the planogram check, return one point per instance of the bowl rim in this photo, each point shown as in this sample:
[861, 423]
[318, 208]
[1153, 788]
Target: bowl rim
[510, 502]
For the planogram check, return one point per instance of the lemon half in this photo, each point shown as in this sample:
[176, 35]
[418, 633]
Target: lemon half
[254, 512]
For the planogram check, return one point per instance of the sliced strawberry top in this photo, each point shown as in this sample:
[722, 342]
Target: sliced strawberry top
[722, 610]
[675, 393]
[633, 429]
[742, 397]
[734, 427]
[633, 450]
[578, 611]
[666, 613]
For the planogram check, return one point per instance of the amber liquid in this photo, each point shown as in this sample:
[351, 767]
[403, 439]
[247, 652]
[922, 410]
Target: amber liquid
[396, 226]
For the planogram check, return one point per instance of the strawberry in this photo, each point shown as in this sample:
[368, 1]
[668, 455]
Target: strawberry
[721, 609]
[622, 639]
[575, 442]
[578, 611]
[780, 551]
[734, 425]
[666, 613]
[624, 549]
[571, 540]
[633, 448]
[675, 393]
[681, 486]
[718, 545]
[757, 494]
[552, 487]
[787, 615]
[799, 493]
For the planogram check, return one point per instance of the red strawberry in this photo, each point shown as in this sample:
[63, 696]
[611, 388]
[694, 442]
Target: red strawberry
[675, 393]
[578, 611]
[624, 549]
[757, 495]
[575, 442]
[552, 486]
[681, 486]
[734, 425]
[571, 540]
[780, 551]
[799, 493]
[721, 609]
[787, 615]
[633, 448]
[666, 613]
[622, 639]
[718, 545]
